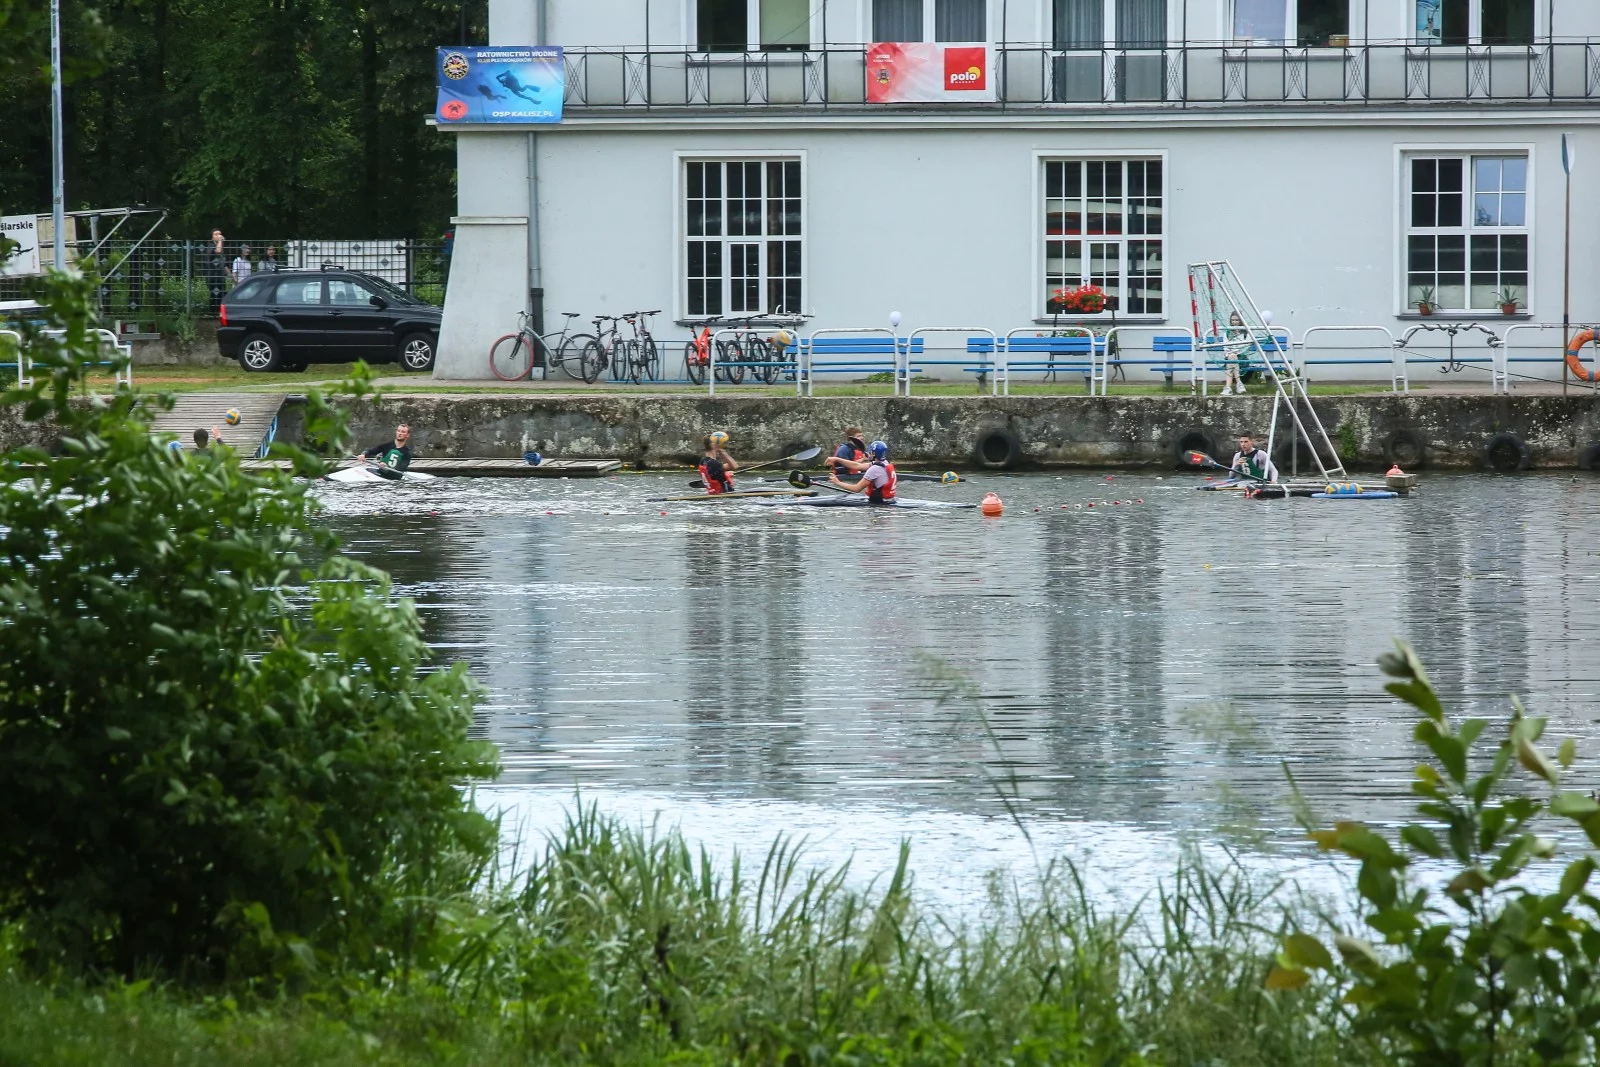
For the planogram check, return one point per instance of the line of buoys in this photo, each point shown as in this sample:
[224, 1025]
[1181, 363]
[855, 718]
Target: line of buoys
[1089, 505]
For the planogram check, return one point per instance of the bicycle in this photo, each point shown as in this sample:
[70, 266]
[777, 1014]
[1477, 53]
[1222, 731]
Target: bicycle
[511, 357]
[697, 353]
[644, 357]
[608, 348]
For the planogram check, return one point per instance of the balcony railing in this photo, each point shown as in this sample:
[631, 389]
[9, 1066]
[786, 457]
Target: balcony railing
[1033, 76]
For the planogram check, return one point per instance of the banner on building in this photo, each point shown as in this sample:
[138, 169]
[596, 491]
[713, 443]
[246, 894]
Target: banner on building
[24, 230]
[500, 84]
[915, 73]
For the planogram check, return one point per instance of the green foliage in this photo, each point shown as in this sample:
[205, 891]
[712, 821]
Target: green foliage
[1488, 970]
[297, 117]
[186, 307]
[221, 759]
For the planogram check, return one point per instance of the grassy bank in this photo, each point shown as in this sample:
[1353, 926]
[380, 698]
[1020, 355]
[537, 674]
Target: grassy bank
[619, 948]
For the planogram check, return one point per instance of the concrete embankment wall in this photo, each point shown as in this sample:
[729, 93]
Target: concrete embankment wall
[1049, 431]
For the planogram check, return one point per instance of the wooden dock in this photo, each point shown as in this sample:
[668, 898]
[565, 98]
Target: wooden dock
[487, 468]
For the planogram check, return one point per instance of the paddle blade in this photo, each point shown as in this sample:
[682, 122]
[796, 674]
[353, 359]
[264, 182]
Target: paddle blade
[1199, 459]
[800, 479]
[806, 456]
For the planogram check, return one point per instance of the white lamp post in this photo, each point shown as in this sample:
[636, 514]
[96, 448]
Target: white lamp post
[58, 205]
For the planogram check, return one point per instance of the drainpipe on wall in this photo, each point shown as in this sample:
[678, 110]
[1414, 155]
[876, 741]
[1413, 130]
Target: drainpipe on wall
[535, 266]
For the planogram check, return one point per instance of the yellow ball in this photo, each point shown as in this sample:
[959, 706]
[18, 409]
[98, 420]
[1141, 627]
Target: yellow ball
[780, 340]
[949, 477]
[232, 417]
[719, 439]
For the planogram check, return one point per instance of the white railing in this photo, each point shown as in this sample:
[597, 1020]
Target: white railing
[996, 356]
[1399, 381]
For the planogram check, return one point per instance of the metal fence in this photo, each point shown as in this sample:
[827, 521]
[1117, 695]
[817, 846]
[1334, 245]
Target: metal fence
[166, 286]
[1041, 75]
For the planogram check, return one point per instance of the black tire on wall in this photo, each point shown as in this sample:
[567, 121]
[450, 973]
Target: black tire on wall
[1506, 453]
[1589, 458]
[1406, 449]
[998, 449]
[1193, 439]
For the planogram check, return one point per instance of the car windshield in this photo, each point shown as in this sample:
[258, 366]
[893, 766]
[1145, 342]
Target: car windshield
[391, 290]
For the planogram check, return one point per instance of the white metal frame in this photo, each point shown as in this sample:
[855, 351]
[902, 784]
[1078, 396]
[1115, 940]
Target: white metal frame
[1033, 331]
[105, 337]
[1399, 378]
[1039, 259]
[23, 380]
[1404, 153]
[680, 236]
[965, 331]
[1154, 331]
[803, 380]
[1501, 381]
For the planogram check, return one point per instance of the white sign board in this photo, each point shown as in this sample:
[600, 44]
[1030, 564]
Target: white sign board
[24, 230]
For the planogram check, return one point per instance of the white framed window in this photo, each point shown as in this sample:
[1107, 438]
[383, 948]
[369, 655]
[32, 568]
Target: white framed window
[960, 21]
[1104, 223]
[1467, 235]
[743, 236]
[1463, 22]
[752, 25]
[1096, 24]
[1314, 23]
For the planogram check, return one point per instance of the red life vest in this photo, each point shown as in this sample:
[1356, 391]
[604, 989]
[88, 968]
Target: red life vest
[884, 494]
[719, 482]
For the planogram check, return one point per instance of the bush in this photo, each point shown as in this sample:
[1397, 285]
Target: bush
[220, 759]
[1490, 970]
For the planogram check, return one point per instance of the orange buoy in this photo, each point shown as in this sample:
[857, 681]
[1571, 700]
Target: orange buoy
[1395, 472]
[1574, 347]
[992, 506]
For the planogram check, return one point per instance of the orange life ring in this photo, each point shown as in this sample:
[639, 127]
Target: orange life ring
[1574, 364]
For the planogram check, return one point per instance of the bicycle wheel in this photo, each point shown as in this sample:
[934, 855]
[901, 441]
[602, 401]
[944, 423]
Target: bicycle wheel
[692, 364]
[594, 360]
[511, 357]
[570, 356]
[618, 358]
[650, 359]
[730, 358]
[758, 351]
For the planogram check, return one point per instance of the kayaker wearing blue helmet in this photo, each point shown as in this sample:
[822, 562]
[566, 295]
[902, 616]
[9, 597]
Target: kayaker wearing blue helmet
[878, 480]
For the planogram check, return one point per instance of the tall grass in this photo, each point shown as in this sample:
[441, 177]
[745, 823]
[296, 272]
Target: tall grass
[620, 946]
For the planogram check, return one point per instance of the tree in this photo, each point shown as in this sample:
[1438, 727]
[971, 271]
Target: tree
[221, 758]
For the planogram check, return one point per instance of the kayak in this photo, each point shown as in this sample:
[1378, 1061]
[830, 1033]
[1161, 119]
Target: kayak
[738, 494]
[370, 476]
[853, 501]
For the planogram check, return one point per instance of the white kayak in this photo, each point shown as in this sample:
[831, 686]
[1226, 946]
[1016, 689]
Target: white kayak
[373, 475]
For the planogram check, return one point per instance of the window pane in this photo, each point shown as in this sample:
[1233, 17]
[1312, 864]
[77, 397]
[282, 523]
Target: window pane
[785, 24]
[1486, 210]
[1453, 24]
[1258, 20]
[1419, 255]
[1486, 174]
[1080, 23]
[723, 25]
[1424, 210]
[1425, 175]
[1514, 252]
[1507, 21]
[300, 292]
[1450, 209]
[1319, 19]
[897, 20]
[1451, 172]
[1514, 174]
[1513, 209]
[1142, 23]
[959, 20]
[1452, 254]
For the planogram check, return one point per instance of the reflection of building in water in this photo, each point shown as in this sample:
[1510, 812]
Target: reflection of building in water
[1106, 645]
[744, 696]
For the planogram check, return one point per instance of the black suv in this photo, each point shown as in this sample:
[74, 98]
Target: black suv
[287, 319]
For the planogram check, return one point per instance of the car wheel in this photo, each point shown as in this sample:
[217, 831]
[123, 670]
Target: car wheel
[416, 352]
[260, 353]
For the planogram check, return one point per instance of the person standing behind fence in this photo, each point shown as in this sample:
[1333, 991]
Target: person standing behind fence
[241, 265]
[269, 265]
[216, 269]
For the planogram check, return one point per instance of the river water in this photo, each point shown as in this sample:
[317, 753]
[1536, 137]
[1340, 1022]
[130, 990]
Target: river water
[1115, 680]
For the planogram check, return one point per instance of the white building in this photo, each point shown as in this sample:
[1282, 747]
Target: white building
[1350, 157]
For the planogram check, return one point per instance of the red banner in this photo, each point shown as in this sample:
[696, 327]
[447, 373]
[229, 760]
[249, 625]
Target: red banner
[914, 73]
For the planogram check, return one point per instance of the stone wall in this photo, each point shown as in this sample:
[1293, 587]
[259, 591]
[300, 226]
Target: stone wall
[1069, 431]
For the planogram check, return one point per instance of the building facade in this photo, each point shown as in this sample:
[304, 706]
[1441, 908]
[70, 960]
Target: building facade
[958, 161]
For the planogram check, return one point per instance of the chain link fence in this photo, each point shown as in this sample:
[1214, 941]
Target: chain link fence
[166, 286]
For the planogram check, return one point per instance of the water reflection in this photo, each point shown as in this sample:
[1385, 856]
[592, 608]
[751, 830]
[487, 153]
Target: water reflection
[1152, 665]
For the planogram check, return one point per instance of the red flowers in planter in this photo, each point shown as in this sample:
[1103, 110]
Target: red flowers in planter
[1084, 300]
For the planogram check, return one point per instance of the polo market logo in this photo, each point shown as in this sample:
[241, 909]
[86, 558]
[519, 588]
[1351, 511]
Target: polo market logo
[966, 69]
[456, 66]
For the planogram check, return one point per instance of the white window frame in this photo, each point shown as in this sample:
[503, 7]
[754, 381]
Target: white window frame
[1108, 25]
[1040, 301]
[930, 21]
[1404, 154]
[1291, 23]
[681, 238]
[691, 29]
[1474, 25]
